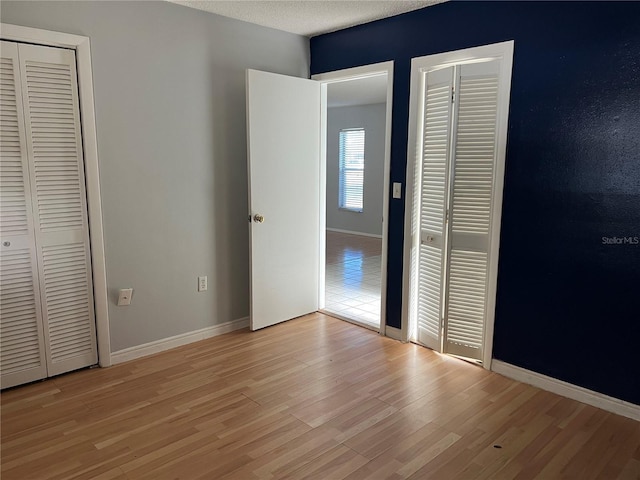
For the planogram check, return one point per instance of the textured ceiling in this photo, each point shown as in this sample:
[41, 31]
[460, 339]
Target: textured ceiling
[307, 17]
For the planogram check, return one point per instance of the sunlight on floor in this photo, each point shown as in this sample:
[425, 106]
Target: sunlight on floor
[353, 277]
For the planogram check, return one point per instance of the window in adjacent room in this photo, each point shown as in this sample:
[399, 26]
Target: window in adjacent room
[351, 157]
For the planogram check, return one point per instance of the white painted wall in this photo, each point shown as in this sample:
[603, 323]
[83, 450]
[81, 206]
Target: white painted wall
[372, 119]
[169, 87]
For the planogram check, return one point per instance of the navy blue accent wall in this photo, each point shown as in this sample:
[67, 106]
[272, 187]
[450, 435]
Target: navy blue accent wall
[568, 304]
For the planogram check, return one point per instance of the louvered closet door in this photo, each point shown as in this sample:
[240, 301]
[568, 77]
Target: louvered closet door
[433, 204]
[54, 147]
[21, 333]
[470, 207]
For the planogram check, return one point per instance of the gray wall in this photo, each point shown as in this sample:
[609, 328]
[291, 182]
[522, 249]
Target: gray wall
[169, 86]
[372, 119]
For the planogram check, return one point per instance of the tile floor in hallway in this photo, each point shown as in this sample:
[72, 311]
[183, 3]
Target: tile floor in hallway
[353, 277]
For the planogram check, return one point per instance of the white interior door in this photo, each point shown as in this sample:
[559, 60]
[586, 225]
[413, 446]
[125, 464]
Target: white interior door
[472, 182]
[283, 128]
[436, 145]
[22, 341]
[54, 150]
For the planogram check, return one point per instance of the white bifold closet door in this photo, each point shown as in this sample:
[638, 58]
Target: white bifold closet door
[433, 205]
[457, 181]
[46, 303]
[22, 352]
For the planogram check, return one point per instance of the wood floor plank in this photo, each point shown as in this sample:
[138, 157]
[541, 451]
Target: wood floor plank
[313, 398]
[336, 463]
[285, 459]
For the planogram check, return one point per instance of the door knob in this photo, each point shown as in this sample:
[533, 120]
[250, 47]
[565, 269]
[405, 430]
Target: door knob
[258, 218]
[6, 244]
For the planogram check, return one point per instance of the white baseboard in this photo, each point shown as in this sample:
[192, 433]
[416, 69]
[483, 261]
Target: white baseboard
[150, 348]
[393, 332]
[351, 232]
[600, 400]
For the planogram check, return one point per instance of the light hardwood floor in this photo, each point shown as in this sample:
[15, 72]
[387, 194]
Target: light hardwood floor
[312, 398]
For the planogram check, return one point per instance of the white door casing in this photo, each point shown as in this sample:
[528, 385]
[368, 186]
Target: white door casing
[348, 74]
[82, 48]
[283, 129]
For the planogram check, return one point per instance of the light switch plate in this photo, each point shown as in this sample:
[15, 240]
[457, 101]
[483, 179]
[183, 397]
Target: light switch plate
[124, 297]
[202, 284]
[397, 190]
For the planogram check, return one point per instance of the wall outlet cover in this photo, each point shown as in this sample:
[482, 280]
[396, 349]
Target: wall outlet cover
[202, 284]
[124, 297]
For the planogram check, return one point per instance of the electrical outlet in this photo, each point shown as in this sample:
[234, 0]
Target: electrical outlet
[124, 297]
[202, 284]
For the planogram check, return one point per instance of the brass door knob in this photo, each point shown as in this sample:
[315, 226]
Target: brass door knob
[258, 218]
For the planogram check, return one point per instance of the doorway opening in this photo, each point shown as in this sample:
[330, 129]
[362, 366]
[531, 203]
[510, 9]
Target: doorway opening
[354, 193]
[286, 122]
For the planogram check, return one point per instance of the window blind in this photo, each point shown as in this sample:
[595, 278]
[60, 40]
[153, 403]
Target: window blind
[351, 158]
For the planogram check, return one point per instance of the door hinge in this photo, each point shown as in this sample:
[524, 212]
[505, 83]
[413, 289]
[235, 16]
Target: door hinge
[453, 94]
[446, 216]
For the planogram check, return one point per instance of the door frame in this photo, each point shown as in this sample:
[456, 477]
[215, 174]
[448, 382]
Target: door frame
[82, 48]
[504, 51]
[336, 76]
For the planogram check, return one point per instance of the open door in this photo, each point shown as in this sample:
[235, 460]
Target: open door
[283, 136]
